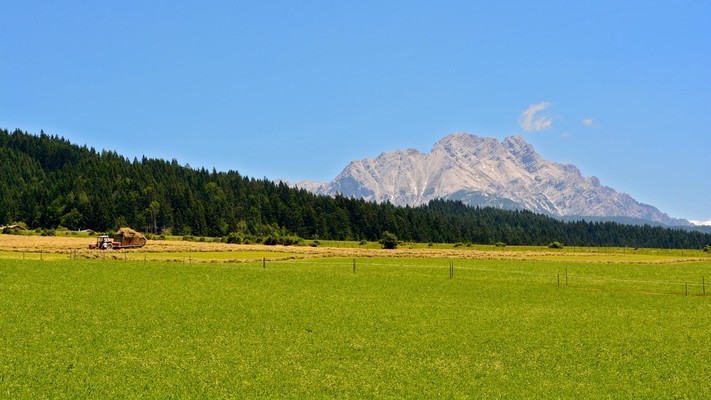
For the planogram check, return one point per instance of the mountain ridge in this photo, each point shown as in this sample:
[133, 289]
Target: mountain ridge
[483, 171]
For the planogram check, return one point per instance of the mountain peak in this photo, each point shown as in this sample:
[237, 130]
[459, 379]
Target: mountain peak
[483, 171]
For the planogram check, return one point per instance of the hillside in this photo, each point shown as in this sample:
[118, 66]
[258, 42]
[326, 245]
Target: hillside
[46, 181]
[481, 171]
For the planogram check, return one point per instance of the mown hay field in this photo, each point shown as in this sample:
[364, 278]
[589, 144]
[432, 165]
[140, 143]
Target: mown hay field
[56, 247]
[368, 327]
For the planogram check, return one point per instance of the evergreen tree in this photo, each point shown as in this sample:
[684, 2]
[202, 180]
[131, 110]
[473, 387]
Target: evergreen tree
[45, 181]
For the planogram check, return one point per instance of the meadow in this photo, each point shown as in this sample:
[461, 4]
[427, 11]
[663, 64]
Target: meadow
[315, 326]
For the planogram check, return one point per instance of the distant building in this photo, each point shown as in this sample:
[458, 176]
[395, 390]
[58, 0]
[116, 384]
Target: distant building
[20, 227]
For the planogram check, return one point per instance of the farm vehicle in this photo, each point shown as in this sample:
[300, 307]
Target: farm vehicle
[125, 238]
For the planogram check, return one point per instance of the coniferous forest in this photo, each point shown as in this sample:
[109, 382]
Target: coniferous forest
[47, 182]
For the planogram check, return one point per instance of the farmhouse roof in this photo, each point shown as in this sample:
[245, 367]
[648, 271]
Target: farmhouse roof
[20, 227]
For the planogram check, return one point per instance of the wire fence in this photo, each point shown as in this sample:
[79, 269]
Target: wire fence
[449, 268]
[561, 279]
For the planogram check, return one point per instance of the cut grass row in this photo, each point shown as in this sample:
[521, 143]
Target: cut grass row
[396, 328]
[34, 243]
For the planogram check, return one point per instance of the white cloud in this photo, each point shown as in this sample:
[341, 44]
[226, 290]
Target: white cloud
[531, 123]
[588, 121]
[701, 222]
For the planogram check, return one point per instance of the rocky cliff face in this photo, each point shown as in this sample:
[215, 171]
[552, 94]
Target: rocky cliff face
[486, 172]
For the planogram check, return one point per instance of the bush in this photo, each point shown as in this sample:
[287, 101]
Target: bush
[458, 244]
[555, 245]
[270, 240]
[290, 240]
[707, 248]
[500, 244]
[48, 232]
[388, 240]
[363, 242]
[286, 240]
[234, 238]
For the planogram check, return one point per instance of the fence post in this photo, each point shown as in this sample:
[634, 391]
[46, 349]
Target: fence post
[354, 265]
[264, 263]
[703, 285]
[558, 279]
[686, 289]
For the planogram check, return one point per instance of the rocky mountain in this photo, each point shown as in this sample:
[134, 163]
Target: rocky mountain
[484, 171]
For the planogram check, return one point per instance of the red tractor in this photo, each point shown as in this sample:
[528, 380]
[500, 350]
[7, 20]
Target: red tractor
[104, 242]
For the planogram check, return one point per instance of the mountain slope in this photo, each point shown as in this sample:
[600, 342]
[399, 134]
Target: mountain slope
[486, 172]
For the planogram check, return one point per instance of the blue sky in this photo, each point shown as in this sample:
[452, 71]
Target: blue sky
[295, 90]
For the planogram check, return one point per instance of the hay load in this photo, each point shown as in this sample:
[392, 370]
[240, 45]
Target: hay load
[128, 238]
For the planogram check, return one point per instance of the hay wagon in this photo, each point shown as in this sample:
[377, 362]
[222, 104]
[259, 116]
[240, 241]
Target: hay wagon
[125, 238]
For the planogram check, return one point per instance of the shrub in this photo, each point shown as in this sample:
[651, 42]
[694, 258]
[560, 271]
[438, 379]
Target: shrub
[458, 244]
[707, 248]
[234, 238]
[290, 240]
[363, 242]
[555, 245]
[286, 240]
[388, 240]
[270, 240]
[500, 244]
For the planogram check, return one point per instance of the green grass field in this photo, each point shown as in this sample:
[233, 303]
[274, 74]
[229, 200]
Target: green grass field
[396, 328]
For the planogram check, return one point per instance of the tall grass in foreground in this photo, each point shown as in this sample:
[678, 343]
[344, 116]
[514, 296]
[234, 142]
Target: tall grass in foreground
[396, 328]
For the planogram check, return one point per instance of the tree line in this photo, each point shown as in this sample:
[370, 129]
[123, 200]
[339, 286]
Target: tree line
[47, 182]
